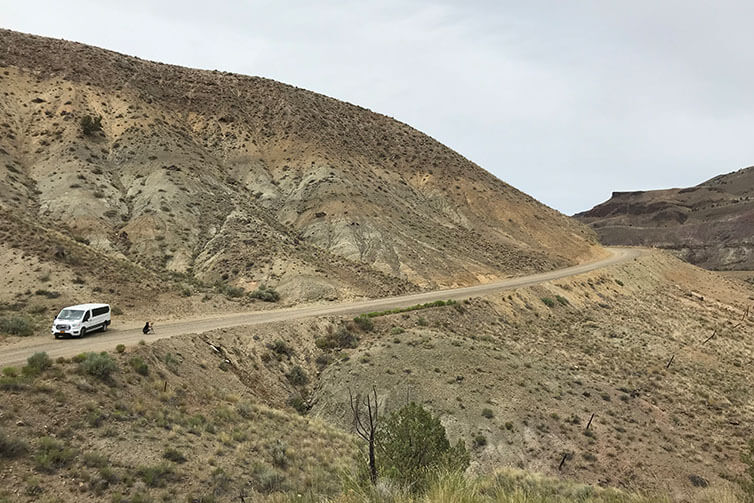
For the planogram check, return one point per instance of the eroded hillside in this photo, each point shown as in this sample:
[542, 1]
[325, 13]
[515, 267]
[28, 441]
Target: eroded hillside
[248, 181]
[516, 376]
[710, 225]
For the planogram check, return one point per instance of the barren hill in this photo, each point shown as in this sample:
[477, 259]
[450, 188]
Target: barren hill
[243, 180]
[711, 224]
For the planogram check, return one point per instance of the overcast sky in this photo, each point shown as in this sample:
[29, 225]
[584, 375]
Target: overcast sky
[567, 101]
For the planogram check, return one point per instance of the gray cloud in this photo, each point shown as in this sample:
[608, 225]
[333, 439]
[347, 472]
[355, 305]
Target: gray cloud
[564, 100]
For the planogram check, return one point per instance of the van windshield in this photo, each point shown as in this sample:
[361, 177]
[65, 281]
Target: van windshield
[70, 314]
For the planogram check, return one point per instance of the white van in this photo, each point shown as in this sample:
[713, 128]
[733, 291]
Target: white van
[78, 320]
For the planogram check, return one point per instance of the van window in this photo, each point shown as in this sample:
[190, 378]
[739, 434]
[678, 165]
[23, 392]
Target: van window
[98, 311]
[70, 314]
[86, 316]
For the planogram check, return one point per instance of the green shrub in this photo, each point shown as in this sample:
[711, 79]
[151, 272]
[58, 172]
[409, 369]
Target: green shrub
[17, 325]
[620, 283]
[139, 365]
[480, 441]
[298, 403]
[297, 376]
[413, 443]
[95, 460]
[323, 360]
[10, 372]
[562, 300]
[12, 447]
[174, 455]
[547, 301]
[487, 413]
[36, 364]
[52, 454]
[99, 365]
[79, 358]
[120, 348]
[156, 476]
[364, 322]
[91, 125]
[281, 347]
[341, 338]
[265, 293]
[421, 322]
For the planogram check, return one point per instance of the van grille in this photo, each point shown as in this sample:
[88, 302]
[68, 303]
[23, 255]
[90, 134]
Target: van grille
[62, 327]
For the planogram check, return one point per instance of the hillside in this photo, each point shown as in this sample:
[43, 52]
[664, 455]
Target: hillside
[263, 411]
[247, 181]
[710, 224]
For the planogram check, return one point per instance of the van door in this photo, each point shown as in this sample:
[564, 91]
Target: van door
[87, 317]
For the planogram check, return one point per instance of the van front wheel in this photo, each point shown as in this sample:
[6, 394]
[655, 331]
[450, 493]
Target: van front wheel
[82, 333]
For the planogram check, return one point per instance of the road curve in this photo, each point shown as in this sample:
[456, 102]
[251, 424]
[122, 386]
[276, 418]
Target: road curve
[17, 353]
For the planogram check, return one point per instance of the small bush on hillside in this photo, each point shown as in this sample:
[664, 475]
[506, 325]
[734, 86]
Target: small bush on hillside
[17, 325]
[48, 294]
[99, 365]
[52, 454]
[298, 403]
[487, 413]
[91, 125]
[139, 366]
[174, 455]
[562, 300]
[547, 301]
[10, 372]
[36, 364]
[120, 348]
[341, 338]
[413, 443]
[297, 376]
[280, 347]
[747, 483]
[265, 293]
[156, 476]
[364, 322]
[12, 447]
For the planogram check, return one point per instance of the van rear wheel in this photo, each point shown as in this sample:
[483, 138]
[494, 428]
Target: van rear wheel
[104, 326]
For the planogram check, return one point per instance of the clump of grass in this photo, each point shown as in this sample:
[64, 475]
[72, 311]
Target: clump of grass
[364, 322]
[36, 364]
[281, 347]
[120, 348]
[139, 365]
[52, 455]
[11, 448]
[547, 301]
[99, 365]
[157, 475]
[562, 300]
[298, 403]
[297, 376]
[265, 293]
[487, 413]
[174, 455]
[20, 326]
[341, 338]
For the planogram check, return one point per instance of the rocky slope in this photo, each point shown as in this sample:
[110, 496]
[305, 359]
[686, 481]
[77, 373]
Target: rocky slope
[515, 375]
[711, 224]
[244, 180]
